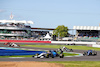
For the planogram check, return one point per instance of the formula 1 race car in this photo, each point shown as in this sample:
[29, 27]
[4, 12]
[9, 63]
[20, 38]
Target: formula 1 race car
[51, 54]
[65, 49]
[70, 44]
[42, 55]
[90, 53]
[11, 44]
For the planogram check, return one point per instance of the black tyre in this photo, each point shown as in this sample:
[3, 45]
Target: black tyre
[61, 55]
[33, 56]
[71, 50]
[95, 53]
[84, 54]
[73, 43]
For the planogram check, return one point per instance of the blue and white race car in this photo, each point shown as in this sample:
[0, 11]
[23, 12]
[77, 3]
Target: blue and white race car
[90, 53]
[49, 54]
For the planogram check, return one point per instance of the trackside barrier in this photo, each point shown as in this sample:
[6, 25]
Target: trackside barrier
[89, 44]
[70, 42]
[96, 45]
[25, 41]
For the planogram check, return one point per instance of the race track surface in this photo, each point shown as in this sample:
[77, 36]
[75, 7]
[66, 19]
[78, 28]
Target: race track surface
[81, 58]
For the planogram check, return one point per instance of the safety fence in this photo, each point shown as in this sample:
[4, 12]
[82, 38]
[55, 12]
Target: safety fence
[25, 41]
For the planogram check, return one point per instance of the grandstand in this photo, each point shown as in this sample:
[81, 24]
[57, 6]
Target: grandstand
[87, 33]
[11, 29]
[41, 31]
[21, 30]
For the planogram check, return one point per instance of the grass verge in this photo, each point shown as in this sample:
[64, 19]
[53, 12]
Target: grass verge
[70, 54]
[58, 46]
[78, 63]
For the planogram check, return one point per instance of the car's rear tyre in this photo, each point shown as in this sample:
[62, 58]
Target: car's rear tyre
[61, 55]
[33, 56]
[52, 55]
[73, 43]
[84, 54]
[71, 50]
[94, 53]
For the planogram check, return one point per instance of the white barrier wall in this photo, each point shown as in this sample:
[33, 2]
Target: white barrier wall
[96, 45]
[70, 42]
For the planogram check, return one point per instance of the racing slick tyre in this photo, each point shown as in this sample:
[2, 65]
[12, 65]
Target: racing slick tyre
[61, 55]
[84, 54]
[73, 43]
[94, 53]
[33, 56]
[71, 50]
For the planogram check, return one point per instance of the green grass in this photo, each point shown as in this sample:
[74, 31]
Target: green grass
[58, 46]
[67, 63]
[78, 63]
[70, 54]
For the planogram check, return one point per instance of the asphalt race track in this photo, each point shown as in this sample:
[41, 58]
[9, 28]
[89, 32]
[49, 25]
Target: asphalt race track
[81, 58]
